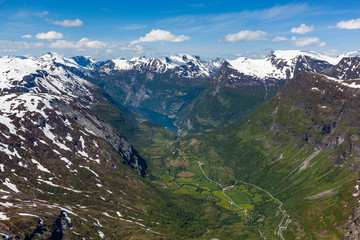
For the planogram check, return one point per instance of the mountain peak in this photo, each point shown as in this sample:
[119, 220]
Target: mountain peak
[289, 55]
[84, 61]
[349, 54]
[282, 64]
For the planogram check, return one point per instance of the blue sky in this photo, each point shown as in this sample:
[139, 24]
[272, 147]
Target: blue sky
[107, 29]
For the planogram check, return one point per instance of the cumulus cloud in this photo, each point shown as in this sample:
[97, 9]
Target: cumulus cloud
[27, 36]
[351, 24]
[82, 43]
[51, 35]
[69, 23]
[157, 35]
[302, 29]
[279, 39]
[302, 42]
[244, 36]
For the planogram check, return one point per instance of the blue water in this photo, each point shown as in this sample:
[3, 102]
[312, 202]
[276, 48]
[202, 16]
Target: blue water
[156, 117]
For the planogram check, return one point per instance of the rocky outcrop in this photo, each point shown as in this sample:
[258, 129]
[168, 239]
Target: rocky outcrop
[322, 112]
[352, 227]
[100, 128]
[347, 68]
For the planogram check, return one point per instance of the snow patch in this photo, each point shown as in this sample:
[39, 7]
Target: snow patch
[67, 161]
[3, 216]
[108, 215]
[10, 185]
[89, 170]
[101, 234]
[21, 164]
[39, 166]
[7, 204]
[5, 148]
[28, 215]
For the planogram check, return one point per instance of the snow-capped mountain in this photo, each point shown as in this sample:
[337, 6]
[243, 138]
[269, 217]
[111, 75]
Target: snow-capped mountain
[161, 85]
[347, 68]
[349, 54]
[41, 75]
[283, 64]
[56, 152]
[180, 65]
[244, 83]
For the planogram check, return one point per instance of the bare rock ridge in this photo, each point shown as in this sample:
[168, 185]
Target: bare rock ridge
[352, 228]
[58, 154]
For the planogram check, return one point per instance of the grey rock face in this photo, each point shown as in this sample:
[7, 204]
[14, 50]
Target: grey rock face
[104, 130]
[352, 228]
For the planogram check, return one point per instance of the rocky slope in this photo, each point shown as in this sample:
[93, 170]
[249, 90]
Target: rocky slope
[172, 86]
[244, 83]
[347, 68]
[57, 154]
[53, 146]
[301, 146]
[160, 85]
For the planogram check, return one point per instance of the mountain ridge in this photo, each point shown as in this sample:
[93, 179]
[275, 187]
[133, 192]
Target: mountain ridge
[59, 154]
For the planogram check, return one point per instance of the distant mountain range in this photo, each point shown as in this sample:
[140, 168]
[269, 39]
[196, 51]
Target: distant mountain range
[185, 89]
[76, 135]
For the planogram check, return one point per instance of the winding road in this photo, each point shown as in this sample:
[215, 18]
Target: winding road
[285, 219]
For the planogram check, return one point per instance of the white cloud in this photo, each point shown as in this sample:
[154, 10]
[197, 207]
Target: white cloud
[243, 36]
[133, 27]
[43, 14]
[302, 29]
[332, 52]
[69, 23]
[11, 44]
[49, 35]
[279, 39]
[27, 36]
[82, 43]
[302, 42]
[323, 44]
[109, 51]
[62, 44]
[138, 49]
[157, 35]
[8, 50]
[85, 42]
[351, 24]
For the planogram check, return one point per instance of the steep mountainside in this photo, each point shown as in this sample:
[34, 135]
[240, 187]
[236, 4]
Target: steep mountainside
[160, 85]
[154, 88]
[288, 170]
[347, 68]
[302, 146]
[64, 164]
[244, 83]
[174, 87]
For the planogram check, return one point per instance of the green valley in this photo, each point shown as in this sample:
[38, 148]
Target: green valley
[269, 160]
